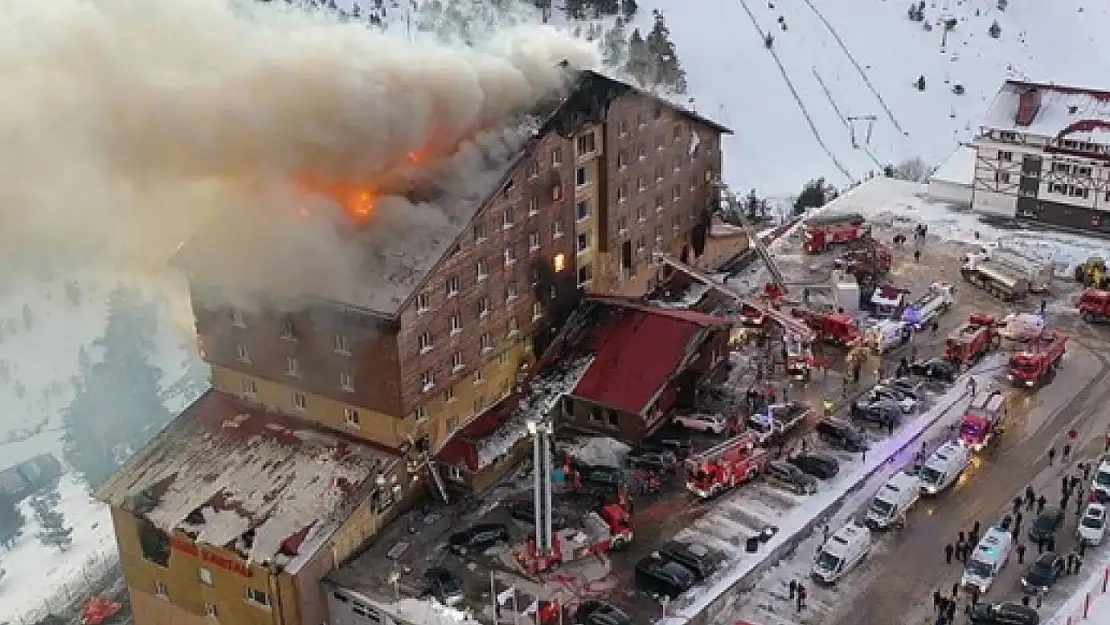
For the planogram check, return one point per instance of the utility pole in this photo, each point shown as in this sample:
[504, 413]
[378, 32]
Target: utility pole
[870, 119]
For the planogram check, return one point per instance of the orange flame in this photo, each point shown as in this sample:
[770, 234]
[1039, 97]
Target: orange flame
[357, 199]
[416, 158]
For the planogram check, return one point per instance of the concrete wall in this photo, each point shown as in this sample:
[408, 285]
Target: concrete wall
[947, 191]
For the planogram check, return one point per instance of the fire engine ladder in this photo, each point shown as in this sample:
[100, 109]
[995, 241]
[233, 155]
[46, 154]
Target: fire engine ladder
[791, 325]
[720, 449]
[727, 197]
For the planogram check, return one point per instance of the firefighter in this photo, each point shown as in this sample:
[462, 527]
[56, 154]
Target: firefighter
[828, 405]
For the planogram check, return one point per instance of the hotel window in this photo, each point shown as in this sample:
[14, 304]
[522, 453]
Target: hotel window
[457, 363]
[426, 343]
[622, 159]
[258, 597]
[1001, 176]
[641, 183]
[659, 173]
[533, 169]
[427, 381]
[454, 322]
[622, 225]
[288, 332]
[513, 328]
[1005, 156]
[559, 262]
[481, 269]
[582, 210]
[676, 222]
[350, 416]
[237, 318]
[161, 590]
[556, 192]
[510, 255]
[205, 576]
[483, 307]
[449, 395]
[249, 387]
[641, 153]
[585, 274]
[511, 291]
[658, 203]
[420, 414]
[211, 611]
[347, 382]
[557, 229]
[533, 205]
[485, 343]
[583, 242]
[300, 402]
[503, 358]
[581, 177]
[479, 233]
[641, 214]
[452, 286]
[242, 353]
[676, 192]
[478, 379]
[622, 127]
[622, 193]
[340, 344]
[640, 120]
[507, 218]
[537, 310]
[586, 144]
[422, 303]
[677, 164]
[533, 241]
[292, 367]
[556, 157]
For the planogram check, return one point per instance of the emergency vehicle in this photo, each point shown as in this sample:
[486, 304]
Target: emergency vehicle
[983, 418]
[606, 530]
[925, 309]
[1037, 362]
[972, 340]
[1094, 305]
[734, 462]
[834, 328]
[888, 301]
[823, 231]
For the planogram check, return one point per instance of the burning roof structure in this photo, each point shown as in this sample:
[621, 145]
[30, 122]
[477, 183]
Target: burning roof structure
[260, 483]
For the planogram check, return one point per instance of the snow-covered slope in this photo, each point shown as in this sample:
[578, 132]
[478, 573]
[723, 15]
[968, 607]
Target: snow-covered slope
[734, 78]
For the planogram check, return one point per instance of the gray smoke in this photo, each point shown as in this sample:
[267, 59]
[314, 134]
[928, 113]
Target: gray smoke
[130, 126]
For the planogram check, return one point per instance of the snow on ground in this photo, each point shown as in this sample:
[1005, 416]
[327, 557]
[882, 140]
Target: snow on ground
[959, 167]
[774, 148]
[36, 572]
[596, 450]
[1096, 607]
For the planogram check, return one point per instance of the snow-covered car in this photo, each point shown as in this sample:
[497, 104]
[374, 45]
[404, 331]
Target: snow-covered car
[1092, 525]
[905, 400]
[878, 411]
[709, 423]
[1021, 326]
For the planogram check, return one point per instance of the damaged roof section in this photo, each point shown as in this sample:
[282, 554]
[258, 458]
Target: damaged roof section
[259, 482]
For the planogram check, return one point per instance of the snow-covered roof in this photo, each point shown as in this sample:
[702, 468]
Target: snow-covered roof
[959, 168]
[222, 469]
[1061, 109]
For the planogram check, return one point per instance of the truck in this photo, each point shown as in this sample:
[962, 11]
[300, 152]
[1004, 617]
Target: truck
[1037, 362]
[834, 328]
[776, 420]
[821, 232]
[983, 418]
[608, 529]
[888, 301]
[751, 317]
[1094, 306]
[1037, 272]
[936, 301]
[725, 466]
[1021, 326]
[972, 340]
[886, 335]
[867, 262]
[999, 281]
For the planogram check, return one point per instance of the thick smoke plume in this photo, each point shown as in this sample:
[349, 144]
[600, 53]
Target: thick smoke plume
[127, 127]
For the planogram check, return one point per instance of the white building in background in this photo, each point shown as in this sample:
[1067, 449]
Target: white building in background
[952, 181]
[1043, 155]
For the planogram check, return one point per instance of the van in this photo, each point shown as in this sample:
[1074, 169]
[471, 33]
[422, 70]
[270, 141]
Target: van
[841, 553]
[990, 555]
[944, 467]
[893, 501]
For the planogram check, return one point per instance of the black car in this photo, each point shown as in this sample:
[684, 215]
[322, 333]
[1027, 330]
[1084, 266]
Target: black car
[791, 476]
[909, 388]
[652, 459]
[1046, 524]
[525, 512]
[478, 538]
[680, 447]
[935, 369]
[1043, 573]
[699, 559]
[658, 576]
[594, 612]
[1003, 614]
[817, 465]
[444, 585]
[841, 434]
[881, 412]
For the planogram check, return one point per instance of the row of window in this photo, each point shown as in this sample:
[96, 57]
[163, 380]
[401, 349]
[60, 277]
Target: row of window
[254, 596]
[1074, 170]
[458, 359]
[340, 343]
[1067, 144]
[293, 368]
[426, 341]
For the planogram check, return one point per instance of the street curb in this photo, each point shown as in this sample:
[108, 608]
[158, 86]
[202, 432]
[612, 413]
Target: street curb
[711, 610]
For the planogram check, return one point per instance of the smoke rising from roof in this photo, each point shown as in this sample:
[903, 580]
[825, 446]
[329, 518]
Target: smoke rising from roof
[128, 127]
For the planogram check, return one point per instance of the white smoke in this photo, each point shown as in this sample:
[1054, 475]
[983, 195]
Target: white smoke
[128, 126]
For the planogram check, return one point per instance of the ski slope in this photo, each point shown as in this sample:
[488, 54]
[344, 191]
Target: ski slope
[735, 79]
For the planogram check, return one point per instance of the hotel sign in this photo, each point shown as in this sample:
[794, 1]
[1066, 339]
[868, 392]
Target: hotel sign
[228, 564]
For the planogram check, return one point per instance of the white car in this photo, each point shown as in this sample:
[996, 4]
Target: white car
[710, 423]
[1092, 525]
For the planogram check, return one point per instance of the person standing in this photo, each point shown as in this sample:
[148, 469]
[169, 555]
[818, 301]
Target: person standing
[1017, 523]
[955, 591]
[1051, 455]
[793, 588]
[1050, 544]
[975, 530]
[1067, 452]
[938, 601]
[960, 549]
[1017, 504]
[1021, 552]
[801, 597]
[1041, 502]
[948, 549]
[1030, 498]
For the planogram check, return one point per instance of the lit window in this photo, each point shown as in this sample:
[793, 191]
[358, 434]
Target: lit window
[347, 382]
[482, 269]
[560, 262]
[452, 286]
[457, 363]
[292, 367]
[427, 381]
[426, 343]
[237, 318]
[258, 597]
[422, 303]
[205, 576]
[300, 402]
[242, 353]
[484, 342]
[455, 323]
[350, 416]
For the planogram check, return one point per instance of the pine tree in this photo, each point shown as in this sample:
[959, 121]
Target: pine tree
[575, 9]
[11, 520]
[118, 405]
[667, 71]
[629, 8]
[995, 30]
[614, 45]
[639, 58]
[814, 194]
[53, 530]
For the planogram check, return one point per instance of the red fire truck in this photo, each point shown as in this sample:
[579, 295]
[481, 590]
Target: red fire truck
[1037, 361]
[834, 328]
[718, 469]
[972, 340]
[1094, 306]
[600, 532]
[823, 231]
[983, 418]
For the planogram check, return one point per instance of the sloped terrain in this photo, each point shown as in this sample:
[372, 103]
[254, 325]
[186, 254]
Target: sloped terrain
[735, 78]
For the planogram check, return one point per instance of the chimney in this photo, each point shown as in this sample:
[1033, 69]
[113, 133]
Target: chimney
[1029, 103]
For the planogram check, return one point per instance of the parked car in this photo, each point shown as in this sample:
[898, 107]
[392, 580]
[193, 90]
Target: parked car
[905, 400]
[911, 388]
[699, 559]
[680, 447]
[1043, 573]
[525, 512]
[786, 474]
[935, 369]
[816, 464]
[594, 612]
[881, 412]
[1092, 525]
[444, 585]
[707, 423]
[841, 435]
[652, 459]
[1046, 524]
[1003, 614]
[478, 538]
[657, 576]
